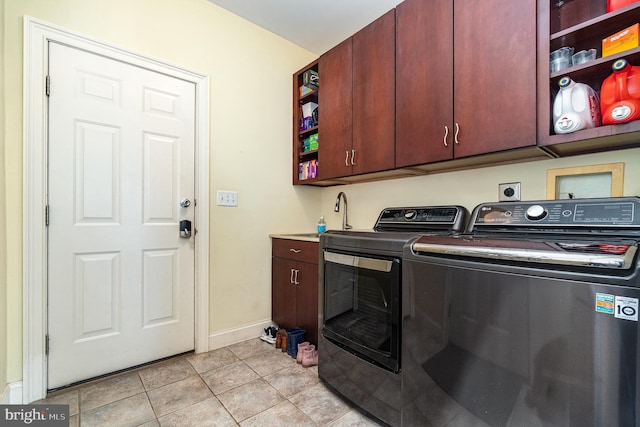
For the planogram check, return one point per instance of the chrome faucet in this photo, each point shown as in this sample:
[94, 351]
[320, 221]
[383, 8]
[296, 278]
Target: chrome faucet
[345, 223]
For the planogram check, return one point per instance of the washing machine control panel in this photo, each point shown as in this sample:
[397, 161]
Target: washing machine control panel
[605, 212]
[422, 218]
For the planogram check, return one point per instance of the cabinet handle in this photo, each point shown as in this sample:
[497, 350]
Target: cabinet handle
[296, 282]
[291, 277]
[353, 157]
[446, 134]
[455, 136]
[346, 159]
[295, 251]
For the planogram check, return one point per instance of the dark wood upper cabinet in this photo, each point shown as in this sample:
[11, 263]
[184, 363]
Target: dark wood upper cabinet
[494, 75]
[450, 84]
[336, 111]
[424, 82]
[465, 79]
[374, 96]
[357, 131]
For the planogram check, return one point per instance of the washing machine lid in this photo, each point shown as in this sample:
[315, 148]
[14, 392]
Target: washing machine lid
[608, 254]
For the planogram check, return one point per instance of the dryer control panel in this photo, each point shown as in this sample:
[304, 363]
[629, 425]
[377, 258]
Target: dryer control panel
[620, 212]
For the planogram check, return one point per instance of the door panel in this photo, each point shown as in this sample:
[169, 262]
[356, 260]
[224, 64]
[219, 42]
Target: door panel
[160, 284]
[374, 96]
[160, 166]
[424, 82]
[97, 282]
[495, 75]
[336, 111]
[121, 156]
[283, 299]
[307, 300]
[97, 164]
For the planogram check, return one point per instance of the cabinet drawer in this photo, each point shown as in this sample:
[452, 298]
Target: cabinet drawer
[296, 250]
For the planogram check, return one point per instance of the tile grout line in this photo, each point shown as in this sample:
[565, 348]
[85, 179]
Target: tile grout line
[253, 351]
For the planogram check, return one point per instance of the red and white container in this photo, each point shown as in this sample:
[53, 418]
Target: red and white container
[617, 4]
[575, 107]
[620, 94]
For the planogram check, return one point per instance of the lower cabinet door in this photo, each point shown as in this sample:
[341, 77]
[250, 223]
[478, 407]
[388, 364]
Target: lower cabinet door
[283, 292]
[307, 300]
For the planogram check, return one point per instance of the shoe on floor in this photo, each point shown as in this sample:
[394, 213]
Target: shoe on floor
[294, 337]
[269, 334]
[301, 347]
[279, 335]
[292, 340]
[309, 356]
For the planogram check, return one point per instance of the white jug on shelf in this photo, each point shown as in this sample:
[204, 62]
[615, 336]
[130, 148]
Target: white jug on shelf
[575, 107]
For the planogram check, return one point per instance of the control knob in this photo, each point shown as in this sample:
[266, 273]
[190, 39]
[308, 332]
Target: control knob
[536, 212]
[410, 214]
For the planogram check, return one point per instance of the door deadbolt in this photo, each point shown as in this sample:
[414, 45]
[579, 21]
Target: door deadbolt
[185, 229]
[185, 203]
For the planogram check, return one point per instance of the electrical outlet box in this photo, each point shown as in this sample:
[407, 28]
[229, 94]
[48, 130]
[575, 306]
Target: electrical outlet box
[509, 192]
[227, 198]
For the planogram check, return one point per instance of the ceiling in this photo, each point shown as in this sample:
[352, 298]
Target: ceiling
[316, 25]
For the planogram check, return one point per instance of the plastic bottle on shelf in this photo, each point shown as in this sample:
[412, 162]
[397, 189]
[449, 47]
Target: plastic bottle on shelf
[620, 94]
[575, 107]
[618, 4]
[322, 226]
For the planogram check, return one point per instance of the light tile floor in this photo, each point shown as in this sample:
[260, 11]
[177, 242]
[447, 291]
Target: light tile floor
[249, 384]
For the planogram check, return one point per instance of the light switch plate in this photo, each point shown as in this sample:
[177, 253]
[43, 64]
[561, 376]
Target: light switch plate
[227, 198]
[509, 192]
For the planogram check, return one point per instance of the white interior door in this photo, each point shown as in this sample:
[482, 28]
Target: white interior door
[121, 157]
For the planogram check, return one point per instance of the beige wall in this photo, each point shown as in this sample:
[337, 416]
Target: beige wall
[3, 222]
[468, 188]
[250, 72]
[250, 143]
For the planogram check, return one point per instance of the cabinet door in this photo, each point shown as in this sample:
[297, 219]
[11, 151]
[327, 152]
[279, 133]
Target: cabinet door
[374, 96]
[335, 111]
[307, 300]
[494, 75]
[283, 292]
[424, 82]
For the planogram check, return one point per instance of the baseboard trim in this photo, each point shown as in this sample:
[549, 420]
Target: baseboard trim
[235, 335]
[12, 394]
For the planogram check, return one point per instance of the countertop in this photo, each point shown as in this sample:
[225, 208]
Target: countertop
[305, 237]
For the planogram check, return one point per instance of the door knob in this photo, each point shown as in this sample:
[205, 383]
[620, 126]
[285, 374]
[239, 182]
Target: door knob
[185, 203]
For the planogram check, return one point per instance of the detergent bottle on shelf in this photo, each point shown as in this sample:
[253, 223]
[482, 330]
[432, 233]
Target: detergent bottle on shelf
[620, 94]
[618, 4]
[575, 107]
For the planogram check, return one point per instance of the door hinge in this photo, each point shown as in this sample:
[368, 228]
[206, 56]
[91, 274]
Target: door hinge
[46, 345]
[48, 86]
[46, 215]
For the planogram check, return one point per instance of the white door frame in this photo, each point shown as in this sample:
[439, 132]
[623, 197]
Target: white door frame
[37, 34]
